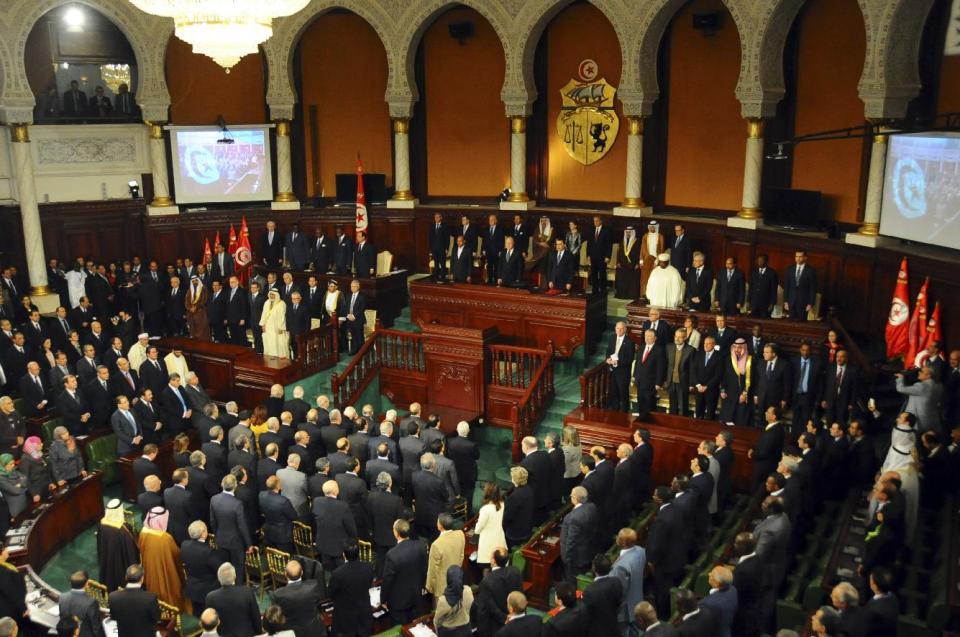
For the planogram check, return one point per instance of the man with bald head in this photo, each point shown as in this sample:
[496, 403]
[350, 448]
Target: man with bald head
[151, 496]
[300, 600]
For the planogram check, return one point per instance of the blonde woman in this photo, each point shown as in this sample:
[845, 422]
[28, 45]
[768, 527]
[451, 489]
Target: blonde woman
[273, 322]
[572, 452]
[518, 509]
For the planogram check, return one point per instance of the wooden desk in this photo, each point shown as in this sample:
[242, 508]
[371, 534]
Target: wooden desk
[674, 438]
[785, 332]
[233, 372]
[164, 460]
[521, 316]
[542, 552]
[58, 521]
[385, 293]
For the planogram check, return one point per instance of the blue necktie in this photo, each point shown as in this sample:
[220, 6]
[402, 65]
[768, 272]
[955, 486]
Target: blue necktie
[803, 376]
[133, 423]
[180, 398]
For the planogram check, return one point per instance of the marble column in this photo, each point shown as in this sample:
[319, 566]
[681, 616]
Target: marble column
[752, 170]
[632, 195]
[284, 199]
[30, 218]
[878, 162]
[158, 164]
[402, 197]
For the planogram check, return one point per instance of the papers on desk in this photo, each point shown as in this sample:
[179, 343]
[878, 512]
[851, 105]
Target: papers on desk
[421, 630]
[374, 597]
[551, 539]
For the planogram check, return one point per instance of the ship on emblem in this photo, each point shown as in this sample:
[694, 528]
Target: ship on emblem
[587, 122]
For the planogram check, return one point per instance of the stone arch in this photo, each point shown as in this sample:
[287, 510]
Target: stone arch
[651, 25]
[761, 84]
[402, 92]
[134, 24]
[279, 49]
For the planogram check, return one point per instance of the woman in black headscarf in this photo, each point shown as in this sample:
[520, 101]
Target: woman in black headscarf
[452, 617]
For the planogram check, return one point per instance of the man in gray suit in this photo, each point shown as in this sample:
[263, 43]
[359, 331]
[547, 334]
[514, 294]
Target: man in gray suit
[446, 470]
[923, 399]
[125, 426]
[679, 363]
[293, 485]
[76, 603]
[629, 569]
[773, 539]
[228, 521]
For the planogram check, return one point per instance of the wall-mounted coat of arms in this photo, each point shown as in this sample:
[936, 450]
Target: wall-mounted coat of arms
[587, 122]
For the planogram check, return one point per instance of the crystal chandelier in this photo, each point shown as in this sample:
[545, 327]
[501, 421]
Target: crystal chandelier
[225, 30]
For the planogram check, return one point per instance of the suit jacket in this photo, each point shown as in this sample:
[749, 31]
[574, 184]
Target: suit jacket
[174, 303]
[228, 521]
[730, 292]
[814, 378]
[376, 466]
[523, 626]
[652, 371]
[570, 622]
[800, 292]
[404, 575]
[560, 269]
[153, 377]
[707, 373]
[763, 289]
[76, 603]
[217, 308]
[300, 602]
[773, 386]
[33, 394]
[539, 471]
[773, 543]
[723, 606]
[353, 491]
[136, 612]
[238, 308]
[599, 246]
[521, 238]
[120, 386]
[298, 250]
[335, 526]
[298, 319]
[469, 233]
[629, 569]
[431, 496]
[348, 588]
[702, 624]
[725, 340]
[359, 309]
[216, 455]
[699, 287]
[293, 486]
[86, 371]
[576, 535]
[923, 401]
[237, 608]
[846, 394]
[178, 502]
[491, 599]
[493, 241]
[603, 601]
[143, 467]
[201, 563]
[216, 272]
[279, 516]
[465, 455]
[686, 362]
[664, 552]
[768, 448]
[271, 251]
[518, 514]
[511, 269]
[461, 265]
[147, 500]
[171, 410]
[365, 259]
[343, 254]
[884, 613]
[383, 509]
[321, 250]
[439, 239]
[71, 409]
[101, 402]
[446, 551]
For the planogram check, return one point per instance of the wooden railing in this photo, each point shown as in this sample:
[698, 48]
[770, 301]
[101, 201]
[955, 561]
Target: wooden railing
[595, 386]
[348, 385]
[319, 348]
[400, 350]
[515, 366]
[531, 407]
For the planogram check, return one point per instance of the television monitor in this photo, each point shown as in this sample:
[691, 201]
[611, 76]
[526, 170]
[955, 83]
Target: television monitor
[791, 208]
[207, 170]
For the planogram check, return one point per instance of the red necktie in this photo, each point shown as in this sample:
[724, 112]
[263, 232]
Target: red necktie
[646, 351]
[839, 379]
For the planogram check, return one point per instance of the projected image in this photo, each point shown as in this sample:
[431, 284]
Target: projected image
[208, 170]
[921, 194]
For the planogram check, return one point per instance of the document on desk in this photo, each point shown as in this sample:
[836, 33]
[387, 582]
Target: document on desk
[422, 630]
[374, 597]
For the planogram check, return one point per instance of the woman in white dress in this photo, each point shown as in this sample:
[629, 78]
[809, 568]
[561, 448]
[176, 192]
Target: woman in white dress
[490, 524]
[273, 321]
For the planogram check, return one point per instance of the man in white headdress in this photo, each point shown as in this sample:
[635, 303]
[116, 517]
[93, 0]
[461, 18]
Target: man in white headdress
[902, 458]
[273, 321]
[627, 283]
[176, 363]
[138, 351]
[665, 286]
[650, 246]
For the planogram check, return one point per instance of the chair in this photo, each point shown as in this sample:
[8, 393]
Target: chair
[170, 614]
[384, 262]
[46, 429]
[212, 541]
[98, 591]
[253, 566]
[366, 551]
[277, 566]
[102, 456]
[460, 508]
[131, 521]
[371, 323]
[583, 267]
[433, 265]
[303, 539]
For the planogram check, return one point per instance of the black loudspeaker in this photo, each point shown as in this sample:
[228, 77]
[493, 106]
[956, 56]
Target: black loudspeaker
[461, 31]
[709, 23]
[374, 188]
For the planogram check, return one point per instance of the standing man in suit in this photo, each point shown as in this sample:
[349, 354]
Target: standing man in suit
[539, 472]
[222, 266]
[34, 391]
[255, 302]
[650, 370]
[680, 251]
[699, 281]
[807, 379]
[511, 263]
[439, 247]
[666, 556]
[706, 371]
[404, 575]
[491, 599]
[464, 454]
[343, 252]
[237, 312]
[128, 431]
[461, 261]
[271, 246]
[175, 309]
[576, 535]
[620, 353]
[730, 288]
[469, 232]
[201, 562]
[629, 569]
[599, 249]
[217, 312]
[560, 267]
[349, 586]
[74, 101]
[492, 247]
[521, 238]
[679, 361]
[768, 448]
[298, 249]
[662, 330]
[76, 603]
[774, 383]
[356, 318]
[279, 516]
[335, 526]
[840, 389]
[135, 610]
[300, 601]
[236, 605]
[321, 251]
[73, 407]
[97, 392]
[365, 257]
[773, 535]
[922, 398]
[298, 320]
[721, 600]
[800, 288]
[763, 288]
[518, 623]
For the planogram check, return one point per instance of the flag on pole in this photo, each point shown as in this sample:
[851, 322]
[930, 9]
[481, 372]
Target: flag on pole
[244, 255]
[898, 323]
[216, 240]
[933, 334]
[207, 253]
[361, 198]
[232, 242]
[918, 325]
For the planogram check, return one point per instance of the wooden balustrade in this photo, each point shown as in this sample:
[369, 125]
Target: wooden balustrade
[595, 387]
[347, 386]
[514, 366]
[319, 348]
[532, 405]
[400, 350]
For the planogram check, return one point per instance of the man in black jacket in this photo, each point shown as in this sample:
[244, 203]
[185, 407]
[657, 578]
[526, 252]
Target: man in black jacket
[384, 508]
[754, 599]
[343, 252]
[298, 320]
[278, 515]
[175, 311]
[355, 319]
[235, 604]
[461, 261]
[510, 268]
[431, 496]
[271, 246]
[560, 267]
[730, 289]
[518, 623]
[492, 247]
[763, 288]
[774, 383]
[491, 600]
[766, 452]
[349, 586]
[178, 503]
[335, 526]
[201, 562]
[577, 532]
[404, 575]
[300, 601]
[217, 312]
[799, 288]
[705, 374]
[539, 473]
[73, 407]
[255, 303]
[699, 284]
[650, 369]
[599, 249]
[228, 521]
[135, 610]
[464, 454]
[364, 257]
[665, 555]
[321, 251]
[76, 603]
[439, 247]
[807, 377]
[602, 599]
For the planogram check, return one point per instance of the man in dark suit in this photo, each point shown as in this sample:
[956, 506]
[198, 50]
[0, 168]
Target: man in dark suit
[174, 409]
[255, 302]
[431, 497]
[571, 619]
[602, 600]
[384, 508]
[766, 451]
[151, 495]
[222, 266]
[679, 361]
[313, 298]
[217, 312]
[696, 621]
[699, 284]
[153, 373]
[518, 231]
[702, 483]
[335, 526]
[493, 242]
[321, 251]
[518, 509]
[178, 503]
[722, 600]
[662, 329]
[228, 521]
[145, 466]
[356, 318]
[577, 532]
[754, 600]
[807, 375]
[76, 603]
[774, 383]
[599, 249]
[151, 299]
[235, 604]
[773, 535]
[884, 607]
[666, 556]
[404, 575]
[174, 309]
[680, 251]
[353, 491]
[841, 389]
[723, 335]
[645, 616]
[461, 261]
[730, 288]
[73, 408]
[216, 453]
[33, 331]
[349, 586]
[298, 248]
[491, 599]
[74, 101]
[201, 562]
[800, 287]
[364, 257]
[237, 312]
[279, 516]
[439, 242]
[511, 264]
[135, 610]
[464, 454]
[706, 371]
[35, 393]
[15, 360]
[343, 252]
[539, 472]
[560, 267]
[300, 601]
[518, 623]
[763, 288]
[271, 246]
[298, 320]
[650, 369]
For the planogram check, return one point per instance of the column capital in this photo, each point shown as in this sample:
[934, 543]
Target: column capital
[401, 125]
[19, 133]
[635, 124]
[156, 129]
[518, 124]
[283, 127]
[755, 126]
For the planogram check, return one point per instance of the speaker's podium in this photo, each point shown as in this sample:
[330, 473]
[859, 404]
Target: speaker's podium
[457, 369]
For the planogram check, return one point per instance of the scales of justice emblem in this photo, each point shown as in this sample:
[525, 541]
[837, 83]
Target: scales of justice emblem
[587, 123]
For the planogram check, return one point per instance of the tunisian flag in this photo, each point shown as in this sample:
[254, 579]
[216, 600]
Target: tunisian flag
[243, 257]
[232, 242]
[918, 325]
[361, 199]
[898, 323]
[207, 253]
[933, 334]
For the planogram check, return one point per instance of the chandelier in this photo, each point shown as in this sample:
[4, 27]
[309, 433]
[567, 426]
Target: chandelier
[225, 30]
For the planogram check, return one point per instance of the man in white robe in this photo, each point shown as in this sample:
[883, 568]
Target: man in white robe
[176, 363]
[665, 286]
[273, 321]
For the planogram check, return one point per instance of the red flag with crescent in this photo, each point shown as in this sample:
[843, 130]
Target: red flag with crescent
[898, 323]
[207, 252]
[244, 255]
[917, 334]
[232, 242]
[362, 220]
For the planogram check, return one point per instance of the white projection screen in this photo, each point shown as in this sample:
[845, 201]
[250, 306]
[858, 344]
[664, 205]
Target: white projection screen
[921, 189]
[208, 171]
